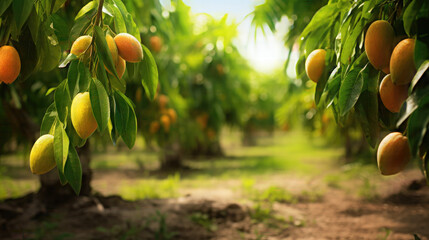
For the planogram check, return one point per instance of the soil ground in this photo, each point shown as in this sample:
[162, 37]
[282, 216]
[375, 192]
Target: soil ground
[237, 198]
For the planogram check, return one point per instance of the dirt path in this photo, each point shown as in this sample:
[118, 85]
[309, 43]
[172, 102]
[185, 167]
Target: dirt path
[219, 213]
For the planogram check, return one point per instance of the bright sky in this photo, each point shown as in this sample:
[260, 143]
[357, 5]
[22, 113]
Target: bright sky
[265, 54]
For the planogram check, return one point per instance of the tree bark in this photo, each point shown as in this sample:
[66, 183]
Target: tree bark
[171, 157]
[51, 191]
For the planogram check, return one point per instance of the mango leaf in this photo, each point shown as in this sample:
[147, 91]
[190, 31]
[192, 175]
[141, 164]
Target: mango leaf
[72, 78]
[4, 4]
[321, 18]
[128, 126]
[21, 11]
[368, 7]
[331, 90]
[113, 132]
[129, 22]
[56, 5]
[423, 68]
[149, 71]
[367, 110]
[350, 91]
[350, 43]
[73, 170]
[88, 7]
[101, 74]
[100, 103]
[61, 150]
[300, 68]
[61, 29]
[74, 138]
[84, 77]
[410, 14]
[314, 39]
[49, 120]
[121, 113]
[103, 50]
[420, 95]
[118, 84]
[78, 78]
[47, 46]
[117, 18]
[417, 125]
[81, 25]
[421, 51]
[62, 101]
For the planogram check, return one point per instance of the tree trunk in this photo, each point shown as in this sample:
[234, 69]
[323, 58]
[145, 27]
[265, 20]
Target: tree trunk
[171, 157]
[52, 192]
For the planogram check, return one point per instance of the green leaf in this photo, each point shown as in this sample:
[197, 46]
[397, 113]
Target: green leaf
[420, 95]
[47, 45]
[81, 25]
[367, 110]
[49, 120]
[73, 170]
[300, 68]
[149, 72]
[113, 132]
[421, 51]
[121, 113]
[62, 101]
[21, 11]
[423, 68]
[350, 43]
[88, 7]
[331, 90]
[322, 18]
[103, 50]
[125, 119]
[117, 84]
[57, 4]
[368, 7]
[128, 19]
[73, 78]
[100, 103]
[315, 39]
[84, 78]
[78, 78]
[350, 91]
[4, 4]
[117, 18]
[417, 125]
[61, 150]
[101, 73]
[74, 138]
[410, 14]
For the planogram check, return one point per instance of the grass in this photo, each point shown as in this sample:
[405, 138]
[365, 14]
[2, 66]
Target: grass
[203, 220]
[154, 189]
[292, 153]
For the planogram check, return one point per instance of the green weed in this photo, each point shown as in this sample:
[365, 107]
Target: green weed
[204, 221]
[157, 189]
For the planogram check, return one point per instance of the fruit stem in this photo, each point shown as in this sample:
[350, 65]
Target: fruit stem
[98, 19]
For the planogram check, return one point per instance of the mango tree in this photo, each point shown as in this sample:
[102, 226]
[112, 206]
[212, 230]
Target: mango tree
[87, 93]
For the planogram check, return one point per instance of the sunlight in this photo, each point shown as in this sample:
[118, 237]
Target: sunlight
[265, 53]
